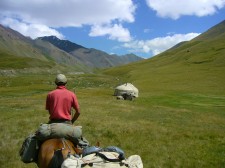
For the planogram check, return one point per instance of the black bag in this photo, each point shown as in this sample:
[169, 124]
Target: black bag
[29, 150]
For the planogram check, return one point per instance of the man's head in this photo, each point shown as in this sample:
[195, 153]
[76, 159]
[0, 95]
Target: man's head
[60, 80]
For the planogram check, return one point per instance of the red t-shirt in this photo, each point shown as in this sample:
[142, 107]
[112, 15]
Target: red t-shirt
[59, 103]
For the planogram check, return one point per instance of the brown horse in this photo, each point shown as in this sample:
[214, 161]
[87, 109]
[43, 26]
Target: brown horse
[54, 151]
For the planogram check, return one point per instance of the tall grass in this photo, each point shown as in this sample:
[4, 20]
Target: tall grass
[166, 128]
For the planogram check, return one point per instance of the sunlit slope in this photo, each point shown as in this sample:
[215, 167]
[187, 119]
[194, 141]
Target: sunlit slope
[9, 61]
[12, 65]
[195, 66]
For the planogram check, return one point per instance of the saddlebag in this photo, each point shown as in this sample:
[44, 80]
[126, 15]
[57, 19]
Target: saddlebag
[29, 150]
[61, 130]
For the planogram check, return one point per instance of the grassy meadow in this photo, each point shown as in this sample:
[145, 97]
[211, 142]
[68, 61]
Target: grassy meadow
[169, 125]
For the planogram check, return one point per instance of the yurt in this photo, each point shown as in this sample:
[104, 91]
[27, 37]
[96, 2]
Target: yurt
[126, 88]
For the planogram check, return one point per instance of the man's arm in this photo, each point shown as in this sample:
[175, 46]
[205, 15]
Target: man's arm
[76, 115]
[76, 108]
[47, 104]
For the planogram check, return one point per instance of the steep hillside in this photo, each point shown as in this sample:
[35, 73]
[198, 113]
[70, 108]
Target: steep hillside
[18, 45]
[19, 52]
[197, 65]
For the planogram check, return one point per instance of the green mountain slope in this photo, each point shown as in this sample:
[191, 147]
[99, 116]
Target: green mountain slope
[9, 61]
[195, 66]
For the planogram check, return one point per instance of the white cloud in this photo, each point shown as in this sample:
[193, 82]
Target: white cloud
[115, 32]
[158, 45]
[176, 8]
[31, 30]
[60, 13]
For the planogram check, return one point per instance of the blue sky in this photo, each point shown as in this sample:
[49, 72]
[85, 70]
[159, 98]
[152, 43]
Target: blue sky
[143, 27]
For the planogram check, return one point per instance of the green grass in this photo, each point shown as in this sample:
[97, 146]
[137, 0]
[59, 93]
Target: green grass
[9, 61]
[166, 128]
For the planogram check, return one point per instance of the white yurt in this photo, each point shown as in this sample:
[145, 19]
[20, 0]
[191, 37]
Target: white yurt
[126, 88]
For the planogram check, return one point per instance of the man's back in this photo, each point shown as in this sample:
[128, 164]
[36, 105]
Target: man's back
[59, 103]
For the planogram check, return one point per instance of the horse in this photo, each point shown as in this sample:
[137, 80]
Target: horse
[53, 152]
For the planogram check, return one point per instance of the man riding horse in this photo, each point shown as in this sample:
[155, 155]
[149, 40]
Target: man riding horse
[59, 103]
[47, 145]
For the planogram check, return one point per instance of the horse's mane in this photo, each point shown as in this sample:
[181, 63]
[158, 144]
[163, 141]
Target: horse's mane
[57, 160]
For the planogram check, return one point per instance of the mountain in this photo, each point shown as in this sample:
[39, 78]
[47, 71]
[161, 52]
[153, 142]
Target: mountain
[90, 56]
[196, 66]
[19, 52]
[53, 51]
